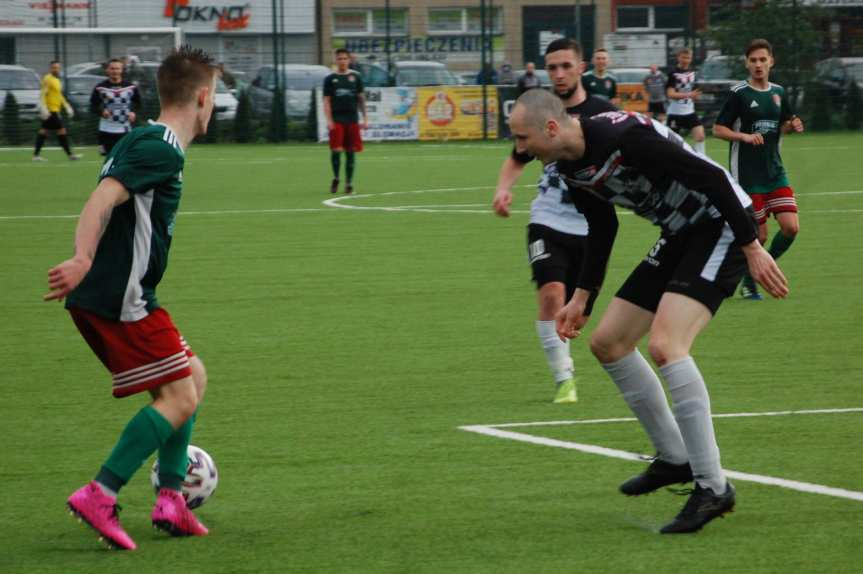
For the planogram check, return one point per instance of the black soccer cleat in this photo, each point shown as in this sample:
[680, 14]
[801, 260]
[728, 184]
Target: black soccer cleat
[334, 186]
[702, 507]
[349, 189]
[657, 475]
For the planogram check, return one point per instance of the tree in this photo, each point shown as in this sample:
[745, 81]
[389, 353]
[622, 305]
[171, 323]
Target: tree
[853, 107]
[791, 27]
[11, 120]
[278, 119]
[243, 119]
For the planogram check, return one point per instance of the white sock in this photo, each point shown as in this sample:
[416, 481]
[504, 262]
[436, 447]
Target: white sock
[556, 351]
[106, 490]
[698, 147]
[643, 392]
[692, 411]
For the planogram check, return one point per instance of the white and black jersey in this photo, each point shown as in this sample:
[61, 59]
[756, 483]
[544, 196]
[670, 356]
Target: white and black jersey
[119, 100]
[681, 81]
[640, 164]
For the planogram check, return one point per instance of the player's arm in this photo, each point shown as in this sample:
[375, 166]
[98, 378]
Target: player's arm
[63, 278]
[790, 121]
[43, 99]
[135, 104]
[728, 115]
[510, 171]
[613, 95]
[328, 107]
[361, 100]
[95, 102]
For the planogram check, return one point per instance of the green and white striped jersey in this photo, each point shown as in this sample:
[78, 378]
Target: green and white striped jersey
[133, 253]
[758, 169]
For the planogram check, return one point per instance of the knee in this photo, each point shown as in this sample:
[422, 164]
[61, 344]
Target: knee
[663, 350]
[184, 404]
[199, 376]
[790, 228]
[607, 349]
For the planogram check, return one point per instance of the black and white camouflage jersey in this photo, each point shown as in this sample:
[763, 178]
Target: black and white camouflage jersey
[642, 165]
[681, 81]
[119, 100]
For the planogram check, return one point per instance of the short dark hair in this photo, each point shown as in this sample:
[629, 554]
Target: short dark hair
[112, 60]
[182, 73]
[563, 44]
[684, 50]
[600, 50]
[759, 44]
[343, 51]
[54, 62]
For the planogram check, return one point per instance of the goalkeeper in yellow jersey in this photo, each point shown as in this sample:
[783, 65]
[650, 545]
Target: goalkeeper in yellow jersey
[50, 102]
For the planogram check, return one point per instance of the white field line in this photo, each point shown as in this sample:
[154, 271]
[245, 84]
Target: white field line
[497, 431]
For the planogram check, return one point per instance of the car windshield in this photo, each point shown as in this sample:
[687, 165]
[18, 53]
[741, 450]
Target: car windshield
[856, 71]
[426, 77]
[18, 80]
[304, 80]
[81, 85]
[717, 69]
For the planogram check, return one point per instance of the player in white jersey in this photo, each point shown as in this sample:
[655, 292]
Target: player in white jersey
[114, 101]
[682, 93]
[558, 238]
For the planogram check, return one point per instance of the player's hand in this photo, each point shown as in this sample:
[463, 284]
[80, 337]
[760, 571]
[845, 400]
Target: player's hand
[365, 124]
[763, 269]
[502, 201]
[796, 124]
[754, 139]
[63, 278]
[44, 114]
[106, 114]
[69, 110]
[330, 126]
[695, 94]
[569, 320]
[132, 117]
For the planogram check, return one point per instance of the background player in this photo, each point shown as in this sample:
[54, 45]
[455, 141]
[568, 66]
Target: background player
[598, 81]
[654, 84]
[682, 94]
[114, 101]
[50, 102]
[753, 119]
[557, 235]
[121, 251]
[708, 237]
[343, 96]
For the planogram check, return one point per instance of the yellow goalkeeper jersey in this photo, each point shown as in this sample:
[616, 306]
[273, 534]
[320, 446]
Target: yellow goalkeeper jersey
[52, 93]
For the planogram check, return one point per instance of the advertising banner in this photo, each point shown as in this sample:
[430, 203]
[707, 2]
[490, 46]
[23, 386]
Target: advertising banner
[392, 114]
[506, 95]
[455, 112]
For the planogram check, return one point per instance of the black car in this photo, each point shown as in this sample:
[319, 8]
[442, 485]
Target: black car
[715, 78]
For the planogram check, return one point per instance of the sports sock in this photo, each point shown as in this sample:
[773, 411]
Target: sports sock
[748, 281]
[698, 147]
[147, 431]
[643, 392]
[40, 141]
[556, 351]
[336, 160]
[349, 166]
[692, 412]
[64, 143]
[780, 244]
[173, 458]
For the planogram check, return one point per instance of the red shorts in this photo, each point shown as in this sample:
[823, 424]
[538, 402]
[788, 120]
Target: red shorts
[346, 137]
[141, 355]
[777, 201]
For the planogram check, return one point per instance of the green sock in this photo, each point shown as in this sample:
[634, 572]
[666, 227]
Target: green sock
[349, 166]
[173, 459]
[147, 431]
[780, 244]
[336, 160]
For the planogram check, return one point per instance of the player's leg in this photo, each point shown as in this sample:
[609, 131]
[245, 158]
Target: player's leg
[41, 136]
[337, 146]
[748, 287]
[697, 131]
[782, 204]
[353, 145]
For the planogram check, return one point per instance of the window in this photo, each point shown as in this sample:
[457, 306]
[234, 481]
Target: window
[463, 20]
[370, 22]
[652, 17]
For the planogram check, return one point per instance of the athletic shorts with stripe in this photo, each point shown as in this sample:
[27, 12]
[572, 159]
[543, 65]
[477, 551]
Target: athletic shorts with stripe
[780, 200]
[140, 355]
[704, 263]
[555, 256]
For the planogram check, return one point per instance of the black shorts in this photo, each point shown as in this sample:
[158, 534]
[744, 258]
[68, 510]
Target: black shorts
[704, 263]
[53, 122]
[687, 122]
[107, 141]
[555, 256]
[656, 107]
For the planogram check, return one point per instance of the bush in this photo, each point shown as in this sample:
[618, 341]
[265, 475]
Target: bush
[278, 121]
[853, 107]
[820, 107]
[11, 120]
[243, 128]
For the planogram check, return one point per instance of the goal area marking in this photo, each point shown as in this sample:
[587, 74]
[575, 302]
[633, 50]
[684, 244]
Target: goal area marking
[501, 431]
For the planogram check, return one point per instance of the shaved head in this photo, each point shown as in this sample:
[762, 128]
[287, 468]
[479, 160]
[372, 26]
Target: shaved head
[542, 128]
[536, 107]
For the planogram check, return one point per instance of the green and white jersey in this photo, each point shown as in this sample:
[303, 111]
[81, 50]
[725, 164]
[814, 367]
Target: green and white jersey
[757, 168]
[133, 252]
[604, 87]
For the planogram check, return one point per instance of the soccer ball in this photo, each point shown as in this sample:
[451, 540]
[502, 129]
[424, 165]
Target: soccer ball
[201, 477]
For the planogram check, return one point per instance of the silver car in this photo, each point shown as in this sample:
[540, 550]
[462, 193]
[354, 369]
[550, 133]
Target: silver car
[298, 81]
[24, 84]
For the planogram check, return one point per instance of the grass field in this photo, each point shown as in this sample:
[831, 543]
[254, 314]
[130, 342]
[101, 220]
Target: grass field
[347, 344]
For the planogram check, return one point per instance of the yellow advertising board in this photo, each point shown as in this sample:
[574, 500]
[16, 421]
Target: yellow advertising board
[633, 97]
[455, 112]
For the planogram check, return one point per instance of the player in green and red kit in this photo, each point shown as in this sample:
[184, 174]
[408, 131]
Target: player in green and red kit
[753, 118]
[121, 252]
[344, 97]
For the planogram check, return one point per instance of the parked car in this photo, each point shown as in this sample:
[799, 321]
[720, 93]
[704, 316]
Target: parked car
[24, 84]
[374, 75]
[422, 73]
[78, 90]
[837, 74]
[298, 81]
[630, 88]
[225, 105]
[716, 76]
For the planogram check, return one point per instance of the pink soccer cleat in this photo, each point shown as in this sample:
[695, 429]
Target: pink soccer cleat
[100, 512]
[171, 515]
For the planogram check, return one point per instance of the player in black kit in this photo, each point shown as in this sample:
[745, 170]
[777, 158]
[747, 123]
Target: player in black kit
[114, 101]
